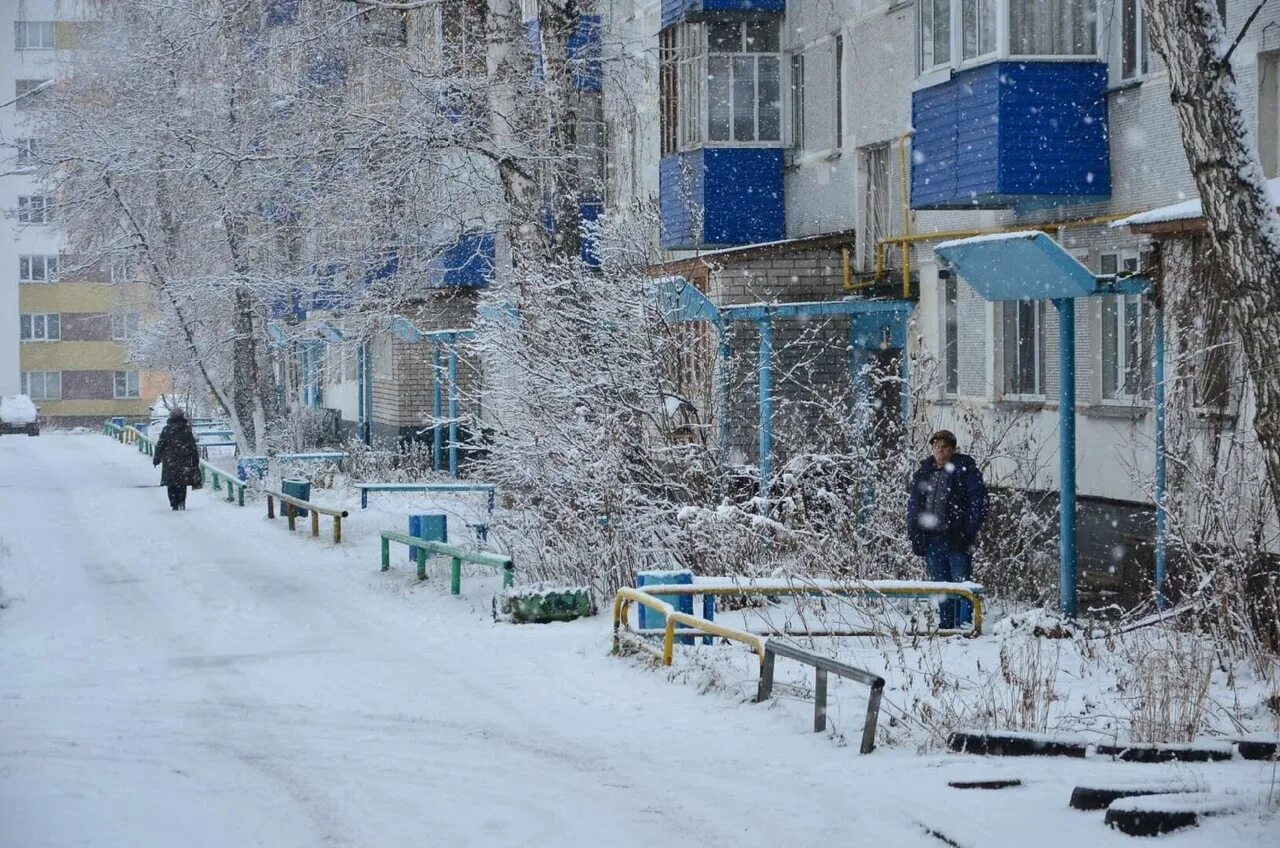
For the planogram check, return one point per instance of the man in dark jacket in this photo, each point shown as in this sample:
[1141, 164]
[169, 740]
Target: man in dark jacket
[176, 449]
[945, 512]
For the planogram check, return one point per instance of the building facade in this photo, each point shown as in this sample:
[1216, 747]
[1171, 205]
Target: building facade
[64, 324]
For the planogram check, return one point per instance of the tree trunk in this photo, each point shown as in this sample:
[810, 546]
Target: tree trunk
[1243, 226]
[557, 22]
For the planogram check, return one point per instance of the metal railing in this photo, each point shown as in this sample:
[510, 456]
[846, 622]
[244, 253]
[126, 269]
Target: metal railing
[458, 556]
[970, 592]
[823, 666]
[692, 624]
[109, 428]
[290, 506]
[212, 474]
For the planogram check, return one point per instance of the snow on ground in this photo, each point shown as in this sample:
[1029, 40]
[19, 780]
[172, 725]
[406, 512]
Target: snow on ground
[204, 678]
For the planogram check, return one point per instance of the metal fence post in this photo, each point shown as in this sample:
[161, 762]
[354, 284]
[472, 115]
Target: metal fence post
[455, 577]
[873, 715]
[766, 676]
[422, 563]
[819, 700]
[386, 553]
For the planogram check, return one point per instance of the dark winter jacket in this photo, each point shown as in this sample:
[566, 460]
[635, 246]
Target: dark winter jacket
[963, 503]
[176, 449]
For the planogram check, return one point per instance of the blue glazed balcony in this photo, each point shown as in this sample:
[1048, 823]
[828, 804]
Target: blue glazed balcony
[584, 51]
[735, 193]
[466, 264]
[676, 11]
[1009, 133]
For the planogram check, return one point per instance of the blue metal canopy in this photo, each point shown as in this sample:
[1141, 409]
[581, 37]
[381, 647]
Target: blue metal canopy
[1018, 266]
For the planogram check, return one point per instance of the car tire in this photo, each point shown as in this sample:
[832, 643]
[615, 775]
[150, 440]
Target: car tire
[33, 430]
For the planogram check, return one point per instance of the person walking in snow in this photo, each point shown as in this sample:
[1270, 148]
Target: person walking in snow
[176, 449]
[945, 511]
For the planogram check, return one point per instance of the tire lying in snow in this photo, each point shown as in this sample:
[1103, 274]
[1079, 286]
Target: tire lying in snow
[1152, 815]
[1252, 749]
[1011, 744]
[1098, 796]
[1180, 752]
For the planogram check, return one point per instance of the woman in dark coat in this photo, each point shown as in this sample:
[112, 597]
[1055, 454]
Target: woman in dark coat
[176, 449]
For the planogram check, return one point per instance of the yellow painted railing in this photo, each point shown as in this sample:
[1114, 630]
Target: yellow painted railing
[621, 626]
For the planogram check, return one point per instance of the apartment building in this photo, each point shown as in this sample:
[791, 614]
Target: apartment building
[64, 323]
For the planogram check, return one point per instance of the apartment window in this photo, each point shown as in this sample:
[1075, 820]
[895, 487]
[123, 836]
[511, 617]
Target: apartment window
[1052, 27]
[42, 385]
[33, 35]
[124, 326]
[126, 385]
[839, 79]
[743, 81]
[951, 335]
[1126, 348]
[37, 269]
[123, 268]
[681, 79]
[797, 101]
[1269, 112]
[977, 28]
[1022, 323]
[384, 356]
[874, 166]
[35, 209]
[40, 327]
[1134, 47]
[27, 151]
[935, 33]
[23, 93]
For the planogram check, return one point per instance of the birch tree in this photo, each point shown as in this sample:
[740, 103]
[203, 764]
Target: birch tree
[1243, 227]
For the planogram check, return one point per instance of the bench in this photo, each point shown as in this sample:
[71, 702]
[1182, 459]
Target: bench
[290, 506]
[366, 488]
[212, 474]
[459, 555]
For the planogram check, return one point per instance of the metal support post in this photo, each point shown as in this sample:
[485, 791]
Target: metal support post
[453, 407]
[1067, 454]
[437, 407]
[722, 334]
[386, 553]
[765, 688]
[1161, 481]
[819, 700]
[766, 403]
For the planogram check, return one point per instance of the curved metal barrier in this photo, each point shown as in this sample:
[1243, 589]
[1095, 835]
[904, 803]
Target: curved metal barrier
[458, 555]
[290, 506]
[692, 624]
[212, 474]
[821, 667]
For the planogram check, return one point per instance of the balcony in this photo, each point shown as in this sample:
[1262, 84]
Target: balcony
[721, 197]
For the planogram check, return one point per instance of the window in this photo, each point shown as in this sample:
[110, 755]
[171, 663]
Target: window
[123, 268]
[977, 28]
[1022, 322]
[1126, 348]
[384, 356]
[27, 151]
[797, 101]
[1052, 27]
[743, 82]
[40, 327]
[126, 385]
[681, 78]
[1134, 47]
[935, 33]
[124, 326]
[24, 92]
[33, 35]
[42, 385]
[1269, 112]
[35, 209]
[37, 269]
[839, 104]
[874, 166]
[951, 336]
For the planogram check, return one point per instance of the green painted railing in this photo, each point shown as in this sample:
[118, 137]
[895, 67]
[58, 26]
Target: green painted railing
[459, 555]
[110, 429]
[215, 476]
[145, 445]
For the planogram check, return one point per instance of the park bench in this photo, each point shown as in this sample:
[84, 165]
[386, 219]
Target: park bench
[427, 548]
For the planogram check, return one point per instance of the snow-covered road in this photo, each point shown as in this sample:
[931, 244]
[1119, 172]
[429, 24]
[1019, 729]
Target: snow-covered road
[206, 679]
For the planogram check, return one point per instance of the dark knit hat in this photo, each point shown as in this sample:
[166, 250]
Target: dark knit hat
[944, 435]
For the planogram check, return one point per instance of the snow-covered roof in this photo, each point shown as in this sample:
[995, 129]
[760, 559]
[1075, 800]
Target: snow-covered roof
[1187, 210]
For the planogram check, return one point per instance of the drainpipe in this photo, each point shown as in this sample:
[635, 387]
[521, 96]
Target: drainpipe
[453, 406]
[766, 402]
[436, 407]
[1161, 480]
[722, 339]
[1067, 455]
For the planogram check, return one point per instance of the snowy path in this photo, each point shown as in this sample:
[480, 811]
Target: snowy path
[205, 679]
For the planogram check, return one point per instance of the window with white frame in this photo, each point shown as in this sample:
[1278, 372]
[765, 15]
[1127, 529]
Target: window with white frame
[123, 268]
[35, 209]
[126, 385]
[951, 335]
[124, 326]
[37, 269]
[1269, 112]
[681, 77]
[935, 33]
[873, 163]
[24, 93]
[744, 82]
[27, 151]
[1022, 356]
[40, 327]
[977, 28]
[42, 385]
[797, 101]
[1052, 27]
[1133, 43]
[1126, 343]
[33, 35]
[383, 352]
